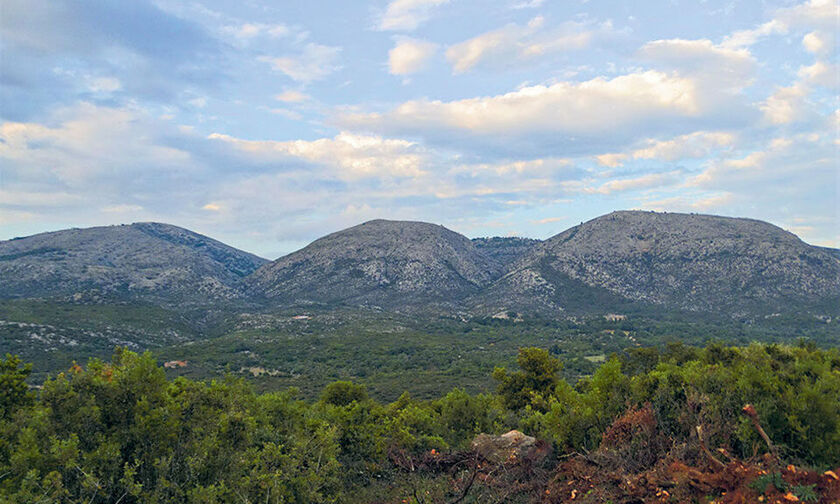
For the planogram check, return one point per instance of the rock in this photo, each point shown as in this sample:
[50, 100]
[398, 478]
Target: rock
[509, 447]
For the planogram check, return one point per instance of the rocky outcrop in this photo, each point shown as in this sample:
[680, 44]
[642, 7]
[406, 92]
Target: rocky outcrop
[509, 447]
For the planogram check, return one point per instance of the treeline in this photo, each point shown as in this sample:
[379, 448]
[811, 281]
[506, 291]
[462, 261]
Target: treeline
[120, 432]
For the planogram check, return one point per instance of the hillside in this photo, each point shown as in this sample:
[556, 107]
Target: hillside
[150, 260]
[394, 264]
[680, 261]
[504, 250]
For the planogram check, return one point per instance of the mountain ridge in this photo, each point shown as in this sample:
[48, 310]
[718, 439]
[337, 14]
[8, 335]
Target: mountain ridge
[691, 262]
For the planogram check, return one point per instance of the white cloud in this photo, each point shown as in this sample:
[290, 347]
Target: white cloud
[410, 56]
[783, 158]
[349, 156]
[532, 167]
[514, 42]
[315, 62]
[823, 14]
[746, 38]
[821, 74]
[407, 15]
[541, 120]
[647, 181]
[785, 105]
[817, 42]
[89, 142]
[292, 96]
[718, 65]
[97, 164]
[693, 145]
[788, 177]
[246, 31]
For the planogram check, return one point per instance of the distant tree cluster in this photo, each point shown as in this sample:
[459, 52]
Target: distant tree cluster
[120, 432]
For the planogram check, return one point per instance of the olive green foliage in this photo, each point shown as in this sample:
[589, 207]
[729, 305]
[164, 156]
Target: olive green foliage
[796, 391]
[342, 393]
[14, 392]
[122, 432]
[537, 378]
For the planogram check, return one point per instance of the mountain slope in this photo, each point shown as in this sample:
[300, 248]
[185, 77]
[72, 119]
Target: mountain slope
[393, 264]
[504, 250]
[144, 259]
[683, 261]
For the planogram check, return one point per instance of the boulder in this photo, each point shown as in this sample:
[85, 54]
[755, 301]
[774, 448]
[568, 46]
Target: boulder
[509, 447]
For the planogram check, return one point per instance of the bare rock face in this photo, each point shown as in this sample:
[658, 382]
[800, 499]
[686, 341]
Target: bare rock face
[509, 447]
[685, 261]
[382, 263]
[145, 259]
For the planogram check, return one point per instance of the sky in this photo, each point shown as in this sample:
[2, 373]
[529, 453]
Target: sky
[269, 124]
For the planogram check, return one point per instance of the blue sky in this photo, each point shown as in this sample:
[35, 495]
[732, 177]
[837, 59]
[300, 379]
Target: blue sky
[269, 124]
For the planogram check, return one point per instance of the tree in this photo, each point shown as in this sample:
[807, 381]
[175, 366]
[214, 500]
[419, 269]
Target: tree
[14, 392]
[537, 378]
[343, 393]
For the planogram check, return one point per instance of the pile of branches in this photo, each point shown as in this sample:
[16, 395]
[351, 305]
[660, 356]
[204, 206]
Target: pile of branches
[635, 463]
[482, 478]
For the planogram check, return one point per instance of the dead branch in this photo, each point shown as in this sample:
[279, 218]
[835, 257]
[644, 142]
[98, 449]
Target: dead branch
[715, 462]
[750, 411]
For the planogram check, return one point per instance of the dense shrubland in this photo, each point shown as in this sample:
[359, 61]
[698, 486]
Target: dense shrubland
[121, 432]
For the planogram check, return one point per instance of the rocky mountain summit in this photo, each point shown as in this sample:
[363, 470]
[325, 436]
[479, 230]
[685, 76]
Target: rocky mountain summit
[152, 260]
[383, 263]
[683, 261]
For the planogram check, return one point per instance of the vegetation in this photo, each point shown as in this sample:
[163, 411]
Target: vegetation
[120, 431]
[390, 354]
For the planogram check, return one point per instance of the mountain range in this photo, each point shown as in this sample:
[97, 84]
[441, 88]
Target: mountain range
[688, 262]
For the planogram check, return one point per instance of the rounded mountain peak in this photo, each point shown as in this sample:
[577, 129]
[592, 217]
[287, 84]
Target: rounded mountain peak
[688, 261]
[379, 262]
[144, 259]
